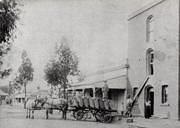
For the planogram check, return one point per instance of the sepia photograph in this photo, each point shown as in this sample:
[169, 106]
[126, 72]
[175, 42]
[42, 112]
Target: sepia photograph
[89, 63]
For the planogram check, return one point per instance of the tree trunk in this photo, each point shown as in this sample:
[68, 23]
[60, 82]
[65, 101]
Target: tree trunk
[24, 95]
[51, 91]
[59, 92]
[64, 92]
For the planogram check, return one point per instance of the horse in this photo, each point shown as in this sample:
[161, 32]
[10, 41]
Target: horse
[58, 104]
[32, 105]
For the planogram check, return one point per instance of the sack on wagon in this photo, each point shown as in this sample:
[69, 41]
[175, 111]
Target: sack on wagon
[75, 102]
[86, 102]
[80, 101]
[101, 104]
[112, 105]
[91, 102]
[107, 104]
[96, 103]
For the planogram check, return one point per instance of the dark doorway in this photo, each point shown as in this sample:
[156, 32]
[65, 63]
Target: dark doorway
[149, 95]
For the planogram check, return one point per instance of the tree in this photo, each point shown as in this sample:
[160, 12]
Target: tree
[59, 68]
[9, 14]
[14, 86]
[25, 71]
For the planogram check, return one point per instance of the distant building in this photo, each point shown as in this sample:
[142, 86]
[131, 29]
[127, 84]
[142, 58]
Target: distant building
[3, 96]
[20, 97]
[153, 51]
[40, 93]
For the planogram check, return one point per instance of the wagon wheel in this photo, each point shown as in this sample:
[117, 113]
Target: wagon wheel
[108, 118]
[78, 115]
[99, 116]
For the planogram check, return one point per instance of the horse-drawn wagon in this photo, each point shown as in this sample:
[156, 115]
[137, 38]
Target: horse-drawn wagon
[82, 108]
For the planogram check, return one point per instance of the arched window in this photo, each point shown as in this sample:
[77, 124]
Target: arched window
[150, 61]
[150, 28]
[164, 98]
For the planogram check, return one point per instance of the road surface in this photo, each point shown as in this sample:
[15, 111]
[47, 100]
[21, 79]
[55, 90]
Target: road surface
[14, 117]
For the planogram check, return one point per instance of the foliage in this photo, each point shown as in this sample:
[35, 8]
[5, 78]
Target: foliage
[25, 70]
[9, 14]
[64, 64]
[14, 85]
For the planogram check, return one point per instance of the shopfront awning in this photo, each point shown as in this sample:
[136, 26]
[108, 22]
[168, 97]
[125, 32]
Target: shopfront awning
[119, 82]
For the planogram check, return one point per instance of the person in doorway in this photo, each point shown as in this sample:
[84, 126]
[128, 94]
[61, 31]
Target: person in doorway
[147, 109]
[129, 106]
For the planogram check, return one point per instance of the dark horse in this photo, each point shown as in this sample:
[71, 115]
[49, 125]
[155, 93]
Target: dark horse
[56, 104]
[32, 105]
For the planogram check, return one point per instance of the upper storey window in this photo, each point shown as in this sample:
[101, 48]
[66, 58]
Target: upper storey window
[150, 29]
[150, 61]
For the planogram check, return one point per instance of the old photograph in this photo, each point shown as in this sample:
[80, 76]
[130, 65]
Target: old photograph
[89, 63]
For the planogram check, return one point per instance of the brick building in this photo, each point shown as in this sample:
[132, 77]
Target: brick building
[153, 51]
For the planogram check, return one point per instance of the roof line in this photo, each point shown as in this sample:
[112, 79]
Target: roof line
[109, 70]
[77, 85]
[144, 8]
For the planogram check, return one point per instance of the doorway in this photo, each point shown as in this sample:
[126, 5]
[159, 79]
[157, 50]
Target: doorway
[149, 95]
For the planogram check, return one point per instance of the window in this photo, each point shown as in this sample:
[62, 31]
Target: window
[164, 94]
[150, 29]
[150, 61]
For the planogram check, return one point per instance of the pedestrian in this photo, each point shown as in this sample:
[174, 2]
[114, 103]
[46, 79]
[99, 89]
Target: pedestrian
[147, 109]
[129, 106]
[105, 90]
[122, 108]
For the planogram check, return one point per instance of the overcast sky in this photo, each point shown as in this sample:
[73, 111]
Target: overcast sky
[96, 31]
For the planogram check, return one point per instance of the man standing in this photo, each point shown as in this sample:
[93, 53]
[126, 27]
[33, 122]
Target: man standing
[129, 106]
[147, 109]
[105, 90]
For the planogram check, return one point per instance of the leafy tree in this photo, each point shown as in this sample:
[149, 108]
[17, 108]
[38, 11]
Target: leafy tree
[9, 14]
[25, 71]
[59, 68]
[14, 86]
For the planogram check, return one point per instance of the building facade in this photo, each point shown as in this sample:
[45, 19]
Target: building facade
[153, 51]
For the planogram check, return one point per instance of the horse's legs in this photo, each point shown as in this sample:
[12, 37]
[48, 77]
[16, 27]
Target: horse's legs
[29, 116]
[32, 114]
[26, 113]
[47, 114]
[64, 114]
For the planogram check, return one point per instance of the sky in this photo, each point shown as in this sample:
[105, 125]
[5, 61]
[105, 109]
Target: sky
[96, 30]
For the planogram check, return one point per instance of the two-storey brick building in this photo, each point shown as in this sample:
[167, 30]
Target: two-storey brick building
[153, 51]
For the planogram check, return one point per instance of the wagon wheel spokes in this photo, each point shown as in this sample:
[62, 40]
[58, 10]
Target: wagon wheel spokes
[78, 114]
[99, 116]
[108, 118]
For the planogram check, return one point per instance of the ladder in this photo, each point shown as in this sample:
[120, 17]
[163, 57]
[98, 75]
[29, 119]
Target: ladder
[139, 91]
